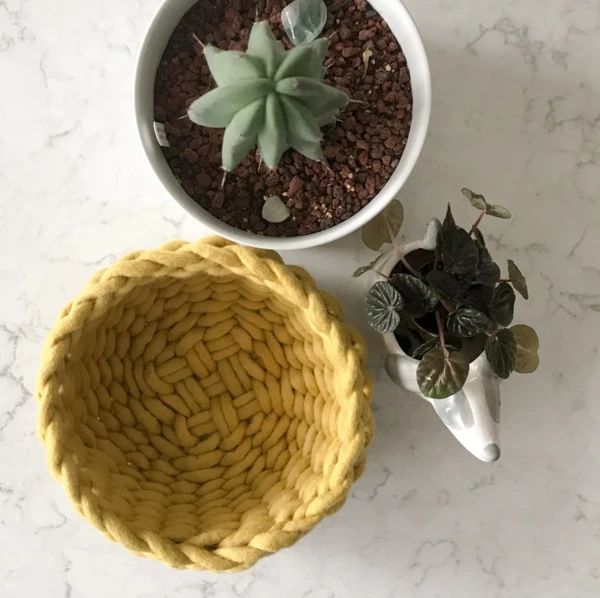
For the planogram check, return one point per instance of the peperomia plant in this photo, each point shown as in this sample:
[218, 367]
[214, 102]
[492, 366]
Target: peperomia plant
[270, 97]
[448, 305]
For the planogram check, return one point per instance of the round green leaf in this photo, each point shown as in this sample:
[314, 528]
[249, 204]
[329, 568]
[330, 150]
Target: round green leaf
[384, 227]
[497, 211]
[383, 304]
[418, 298]
[478, 296]
[502, 304]
[488, 272]
[442, 373]
[477, 200]
[501, 352]
[517, 279]
[467, 322]
[528, 343]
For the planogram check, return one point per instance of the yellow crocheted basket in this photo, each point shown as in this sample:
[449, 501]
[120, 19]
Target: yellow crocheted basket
[203, 404]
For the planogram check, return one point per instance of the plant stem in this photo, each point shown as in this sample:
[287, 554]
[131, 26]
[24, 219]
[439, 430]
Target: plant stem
[392, 240]
[440, 325]
[423, 330]
[448, 308]
[381, 274]
[477, 222]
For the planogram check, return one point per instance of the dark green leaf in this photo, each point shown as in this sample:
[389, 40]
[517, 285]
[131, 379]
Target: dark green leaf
[364, 269]
[384, 227]
[448, 229]
[473, 347]
[467, 322]
[527, 358]
[444, 284]
[459, 251]
[497, 211]
[502, 304]
[461, 256]
[425, 347]
[488, 272]
[418, 297]
[477, 200]
[501, 352]
[478, 296]
[517, 279]
[383, 304]
[441, 374]
[479, 237]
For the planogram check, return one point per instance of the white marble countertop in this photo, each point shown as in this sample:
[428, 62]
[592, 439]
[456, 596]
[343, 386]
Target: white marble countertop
[516, 115]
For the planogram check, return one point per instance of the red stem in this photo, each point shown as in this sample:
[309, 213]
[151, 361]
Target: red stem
[477, 222]
[440, 325]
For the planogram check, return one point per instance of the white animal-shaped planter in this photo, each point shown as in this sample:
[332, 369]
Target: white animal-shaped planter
[472, 414]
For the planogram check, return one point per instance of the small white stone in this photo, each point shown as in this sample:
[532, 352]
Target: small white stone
[274, 210]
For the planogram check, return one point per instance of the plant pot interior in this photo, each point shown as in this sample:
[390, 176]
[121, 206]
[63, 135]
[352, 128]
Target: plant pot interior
[361, 151]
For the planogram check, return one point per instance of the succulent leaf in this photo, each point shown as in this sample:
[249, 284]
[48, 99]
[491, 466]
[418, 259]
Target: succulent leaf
[229, 67]
[302, 62]
[328, 118]
[319, 97]
[272, 138]
[311, 149]
[320, 48]
[263, 46]
[285, 87]
[217, 107]
[241, 133]
[300, 120]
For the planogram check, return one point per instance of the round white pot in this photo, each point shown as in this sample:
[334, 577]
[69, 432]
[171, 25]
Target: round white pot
[159, 33]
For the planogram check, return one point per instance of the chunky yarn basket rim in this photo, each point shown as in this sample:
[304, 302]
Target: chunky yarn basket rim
[212, 256]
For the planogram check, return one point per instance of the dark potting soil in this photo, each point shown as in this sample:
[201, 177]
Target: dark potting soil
[361, 150]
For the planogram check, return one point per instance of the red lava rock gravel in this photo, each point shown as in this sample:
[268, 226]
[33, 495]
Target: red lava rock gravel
[361, 151]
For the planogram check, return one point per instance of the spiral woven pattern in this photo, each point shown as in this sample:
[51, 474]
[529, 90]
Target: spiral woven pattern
[203, 404]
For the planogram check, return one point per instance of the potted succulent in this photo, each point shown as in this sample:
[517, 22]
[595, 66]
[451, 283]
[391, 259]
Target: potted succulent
[283, 125]
[445, 312]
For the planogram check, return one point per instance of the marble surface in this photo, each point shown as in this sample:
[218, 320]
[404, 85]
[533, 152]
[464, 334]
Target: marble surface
[517, 115]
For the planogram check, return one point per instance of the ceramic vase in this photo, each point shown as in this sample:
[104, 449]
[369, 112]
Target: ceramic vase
[472, 414]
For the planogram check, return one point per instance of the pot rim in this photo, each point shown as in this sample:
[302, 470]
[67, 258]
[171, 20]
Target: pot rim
[404, 29]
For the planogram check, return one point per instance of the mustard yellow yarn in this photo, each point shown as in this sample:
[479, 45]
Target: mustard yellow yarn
[203, 404]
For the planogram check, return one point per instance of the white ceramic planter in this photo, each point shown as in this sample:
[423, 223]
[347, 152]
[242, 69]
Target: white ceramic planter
[472, 414]
[403, 27]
